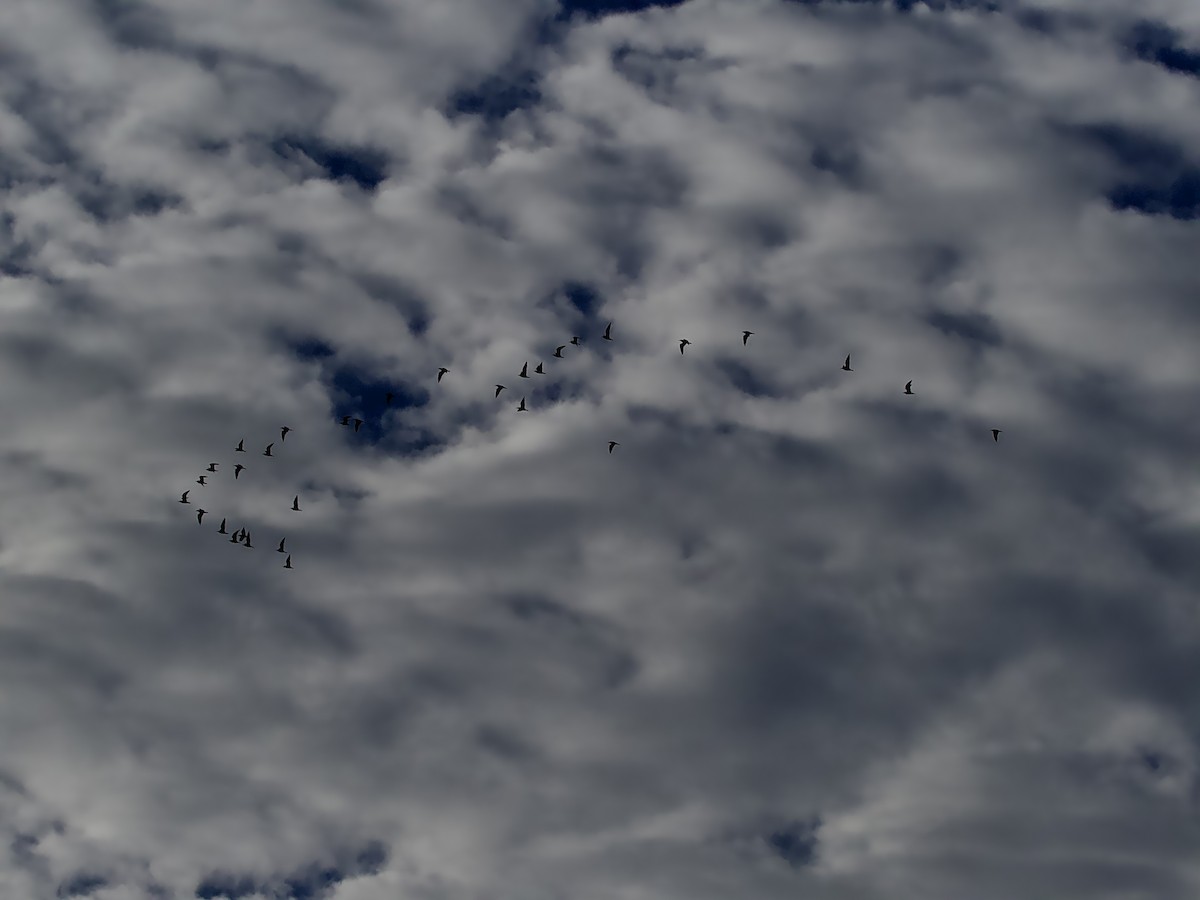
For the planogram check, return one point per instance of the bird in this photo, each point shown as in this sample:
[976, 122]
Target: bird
[539, 370]
[345, 420]
[607, 332]
[612, 444]
[200, 516]
[575, 339]
[908, 388]
[212, 467]
[283, 433]
[281, 550]
[237, 470]
[683, 342]
[558, 351]
[499, 388]
[222, 529]
[442, 371]
[183, 497]
[239, 448]
[287, 563]
[202, 480]
[525, 370]
[249, 546]
[746, 337]
[267, 452]
[357, 425]
[996, 435]
[388, 397]
[235, 538]
[296, 503]
[522, 408]
[846, 364]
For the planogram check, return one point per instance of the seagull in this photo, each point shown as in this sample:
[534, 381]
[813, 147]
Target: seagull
[222, 529]
[296, 503]
[283, 433]
[499, 388]
[237, 470]
[202, 480]
[183, 497]
[200, 516]
[357, 425]
[522, 408]
[612, 444]
[345, 420]
[442, 371]
[746, 337]
[287, 563]
[575, 339]
[558, 351]
[389, 396]
[607, 332]
[239, 448]
[683, 343]
[212, 467]
[539, 370]
[267, 452]
[242, 534]
[996, 435]
[908, 388]
[281, 550]
[846, 365]
[249, 546]
[525, 370]
[235, 538]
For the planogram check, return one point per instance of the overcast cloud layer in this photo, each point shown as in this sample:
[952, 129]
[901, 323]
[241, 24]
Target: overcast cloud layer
[798, 635]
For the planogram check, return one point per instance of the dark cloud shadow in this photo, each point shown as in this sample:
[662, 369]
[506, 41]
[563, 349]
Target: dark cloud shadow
[796, 842]
[1156, 43]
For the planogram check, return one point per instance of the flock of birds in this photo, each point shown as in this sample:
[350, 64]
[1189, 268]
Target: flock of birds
[242, 535]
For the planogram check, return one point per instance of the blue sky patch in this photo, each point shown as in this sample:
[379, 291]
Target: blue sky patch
[365, 167]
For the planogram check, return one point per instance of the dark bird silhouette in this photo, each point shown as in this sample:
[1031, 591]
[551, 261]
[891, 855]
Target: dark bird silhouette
[499, 388]
[283, 433]
[240, 448]
[242, 534]
[608, 332]
[267, 452]
[222, 530]
[248, 545]
[558, 351]
[237, 470]
[522, 408]
[539, 370]
[345, 420]
[281, 543]
[287, 563]
[442, 371]
[746, 337]
[683, 343]
[203, 479]
[388, 398]
[235, 538]
[357, 425]
[212, 467]
[200, 513]
[183, 497]
[846, 365]
[996, 435]
[612, 444]
[525, 370]
[908, 387]
[296, 503]
[575, 339]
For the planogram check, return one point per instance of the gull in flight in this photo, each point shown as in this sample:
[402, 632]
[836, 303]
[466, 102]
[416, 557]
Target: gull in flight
[237, 470]
[442, 371]
[287, 563]
[203, 479]
[612, 444]
[908, 388]
[200, 516]
[558, 351]
[683, 343]
[240, 448]
[281, 550]
[235, 538]
[499, 388]
[575, 339]
[267, 452]
[846, 364]
[996, 435]
[539, 370]
[522, 408]
[212, 467]
[746, 337]
[222, 529]
[249, 546]
[357, 425]
[183, 497]
[345, 420]
[296, 503]
[608, 332]
[283, 433]
[525, 370]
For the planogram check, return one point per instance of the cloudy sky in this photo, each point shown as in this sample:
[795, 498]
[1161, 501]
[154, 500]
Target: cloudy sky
[799, 635]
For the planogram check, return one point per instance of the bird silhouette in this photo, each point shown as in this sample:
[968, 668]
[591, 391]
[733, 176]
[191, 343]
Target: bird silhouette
[996, 435]
[612, 444]
[746, 337]
[281, 550]
[287, 563]
[525, 370]
[200, 513]
[357, 425]
[235, 538]
[237, 470]
[683, 343]
[846, 364]
[296, 503]
[388, 397]
[240, 448]
[212, 467]
[283, 433]
[242, 534]
[442, 371]
[248, 545]
[183, 497]
[222, 530]
[522, 408]
[267, 452]
[608, 332]
[345, 420]
[499, 388]
[908, 387]
[575, 339]
[203, 479]
[558, 351]
[539, 370]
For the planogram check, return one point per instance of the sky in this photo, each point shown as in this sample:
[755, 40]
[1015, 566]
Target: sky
[799, 634]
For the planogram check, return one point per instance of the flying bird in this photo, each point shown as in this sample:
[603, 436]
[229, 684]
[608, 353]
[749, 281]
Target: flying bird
[522, 408]
[212, 467]
[222, 529]
[612, 444]
[248, 545]
[203, 479]
[539, 370]
[345, 420]
[846, 364]
[281, 550]
[357, 425]
[239, 448]
[267, 452]
[908, 387]
[558, 351]
[237, 470]
[608, 332]
[683, 343]
[746, 337]
[235, 538]
[287, 563]
[200, 516]
[996, 435]
[575, 339]
[296, 503]
[525, 370]
[388, 397]
[499, 388]
[442, 371]
[183, 497]
[242, 534]
[283, 433]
